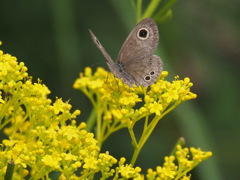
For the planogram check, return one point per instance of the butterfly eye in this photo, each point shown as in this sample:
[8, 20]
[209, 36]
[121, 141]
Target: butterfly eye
[143, 33]
[152, 73]
[147, 78]
[150, 62]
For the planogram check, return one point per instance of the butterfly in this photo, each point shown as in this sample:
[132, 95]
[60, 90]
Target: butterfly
[136, 64]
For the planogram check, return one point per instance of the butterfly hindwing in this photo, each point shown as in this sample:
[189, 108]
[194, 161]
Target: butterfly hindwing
[145, 71]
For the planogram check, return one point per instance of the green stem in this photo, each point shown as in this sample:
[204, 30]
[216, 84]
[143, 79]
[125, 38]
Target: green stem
[146, 122]
[147, 132]
[181, 142]
[99, 126]
[91, 120]
[134, 140]
[151, 8]
[139, 10]
[9, 171]
[164, 9]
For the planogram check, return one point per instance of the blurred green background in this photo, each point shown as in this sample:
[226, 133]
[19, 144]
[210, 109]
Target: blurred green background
[201, 41]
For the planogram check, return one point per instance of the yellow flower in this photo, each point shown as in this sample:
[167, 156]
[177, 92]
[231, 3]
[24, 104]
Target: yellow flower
[185, 177]
[68, 157]
[197, 155]
[70, 132]
[90, 163]
[52, 161]
[155, 108]
[128, 171]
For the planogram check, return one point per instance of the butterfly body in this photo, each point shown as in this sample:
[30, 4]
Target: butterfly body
[136, 63]
[121, 73]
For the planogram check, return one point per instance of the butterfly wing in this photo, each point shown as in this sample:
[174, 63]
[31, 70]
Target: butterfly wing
[142, 41]
[144, 71]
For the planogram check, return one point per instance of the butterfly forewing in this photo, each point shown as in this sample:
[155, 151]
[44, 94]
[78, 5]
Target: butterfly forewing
[142, 41]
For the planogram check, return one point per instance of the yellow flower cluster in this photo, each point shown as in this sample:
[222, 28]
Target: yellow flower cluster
[43, 136]
[127, 171]
[178, 170]
[117, 105]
